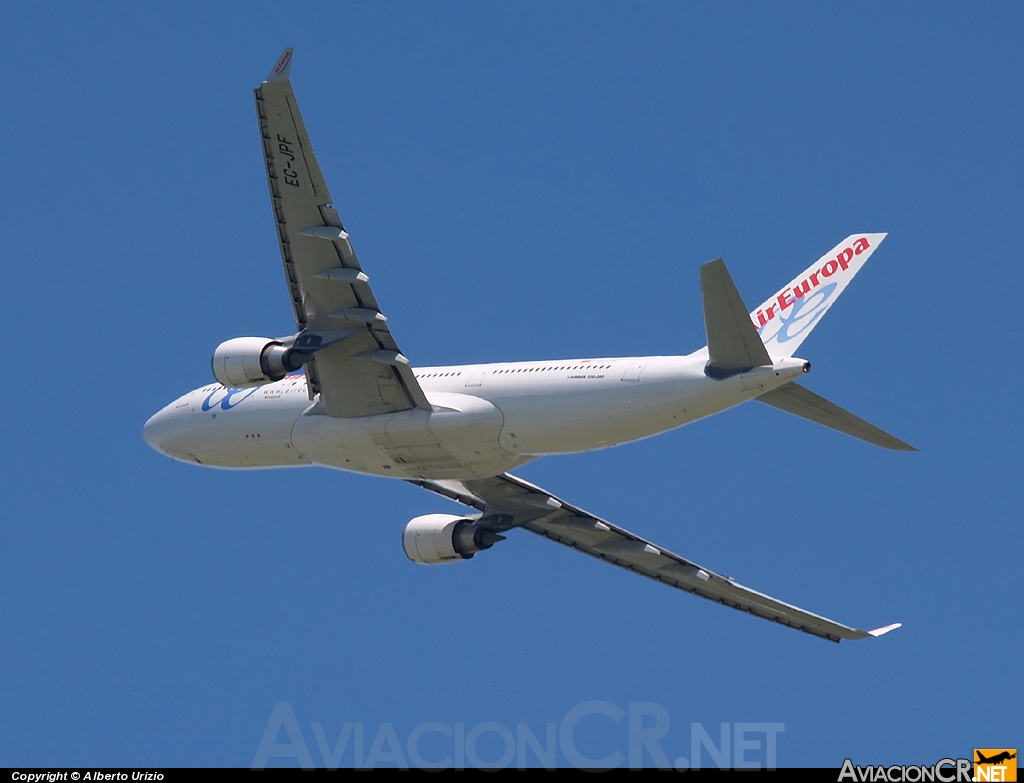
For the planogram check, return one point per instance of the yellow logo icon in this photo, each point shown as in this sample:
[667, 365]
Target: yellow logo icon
[998, 764]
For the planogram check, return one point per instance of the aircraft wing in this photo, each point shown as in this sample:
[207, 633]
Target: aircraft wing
[357, 368]
[506, 501]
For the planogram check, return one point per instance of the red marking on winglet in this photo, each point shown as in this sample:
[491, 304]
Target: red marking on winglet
[282, 63]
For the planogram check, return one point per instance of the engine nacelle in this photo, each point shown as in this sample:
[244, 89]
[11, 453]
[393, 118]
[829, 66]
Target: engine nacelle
[253, 361]
[444, 538]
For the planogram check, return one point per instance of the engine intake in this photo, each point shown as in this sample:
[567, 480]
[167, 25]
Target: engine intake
[254, 361]
[444, 538]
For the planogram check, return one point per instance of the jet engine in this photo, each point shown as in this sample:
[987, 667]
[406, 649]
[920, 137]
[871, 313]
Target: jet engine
[444, 538]
[254, 361]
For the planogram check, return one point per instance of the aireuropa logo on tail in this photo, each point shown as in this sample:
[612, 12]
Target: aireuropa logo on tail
[995, 764]
[798, 307]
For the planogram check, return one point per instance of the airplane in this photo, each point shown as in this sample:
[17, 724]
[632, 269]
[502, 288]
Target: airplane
[340, 393]
[996, 759]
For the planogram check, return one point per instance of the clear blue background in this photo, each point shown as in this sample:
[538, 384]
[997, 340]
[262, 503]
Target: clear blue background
[521, 181]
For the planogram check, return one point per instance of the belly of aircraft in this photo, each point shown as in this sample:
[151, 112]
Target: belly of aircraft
[668, 393]
[459, 440]
[604, 411]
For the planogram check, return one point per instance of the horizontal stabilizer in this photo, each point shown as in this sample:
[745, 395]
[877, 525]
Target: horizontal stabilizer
[733, 344]
[799, 401]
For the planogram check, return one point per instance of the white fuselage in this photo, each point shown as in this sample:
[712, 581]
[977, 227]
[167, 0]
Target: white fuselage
[487, 418]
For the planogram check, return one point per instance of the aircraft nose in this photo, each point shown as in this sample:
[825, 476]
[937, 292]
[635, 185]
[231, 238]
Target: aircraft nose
[152, 430]
[171, 431]
[168, 432]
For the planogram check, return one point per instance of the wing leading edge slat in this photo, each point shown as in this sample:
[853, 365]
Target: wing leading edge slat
[507, 501]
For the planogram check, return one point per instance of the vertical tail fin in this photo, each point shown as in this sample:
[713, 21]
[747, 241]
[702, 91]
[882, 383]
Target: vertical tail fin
[785, 320]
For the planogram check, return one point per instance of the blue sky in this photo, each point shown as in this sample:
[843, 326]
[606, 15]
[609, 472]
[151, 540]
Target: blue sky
[521, 181]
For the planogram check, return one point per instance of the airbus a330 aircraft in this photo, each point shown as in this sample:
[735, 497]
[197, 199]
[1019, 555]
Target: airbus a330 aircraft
[358, 405]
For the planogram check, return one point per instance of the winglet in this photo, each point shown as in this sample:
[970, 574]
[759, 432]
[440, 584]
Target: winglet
[283, 68]
[884, 629]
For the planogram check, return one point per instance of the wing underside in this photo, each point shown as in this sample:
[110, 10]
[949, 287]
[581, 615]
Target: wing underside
[506, 501]
[358, 369]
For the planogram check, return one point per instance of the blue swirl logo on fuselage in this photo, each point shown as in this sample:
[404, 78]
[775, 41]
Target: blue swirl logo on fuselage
[226, 402]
